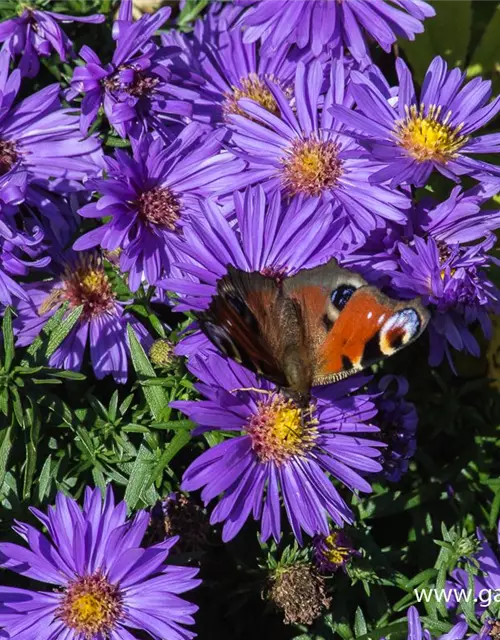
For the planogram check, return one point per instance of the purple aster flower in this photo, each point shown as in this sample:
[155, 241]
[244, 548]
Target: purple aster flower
[304, 152]
[416, 632]
[136, 88]
[40, 137]
[100, 582]
[413, 136]
[149, 197]
[227, 69]
[460, 219]
[454, 280]
[277, 449]
[267, 236]
[456, 220]
[441, 254]
[81, 281]
[36, 34]
[324, 24]
[397, 419]
[332, 552]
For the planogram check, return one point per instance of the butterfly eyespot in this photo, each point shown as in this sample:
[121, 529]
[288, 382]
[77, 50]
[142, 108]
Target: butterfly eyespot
[399, 330]
[341, 295]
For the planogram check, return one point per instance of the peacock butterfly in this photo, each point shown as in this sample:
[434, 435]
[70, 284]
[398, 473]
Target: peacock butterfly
[315, 327]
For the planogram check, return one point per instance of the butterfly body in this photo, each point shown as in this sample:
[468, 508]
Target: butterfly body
[315, 327]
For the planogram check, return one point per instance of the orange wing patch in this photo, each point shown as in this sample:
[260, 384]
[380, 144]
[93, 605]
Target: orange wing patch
[357, 324]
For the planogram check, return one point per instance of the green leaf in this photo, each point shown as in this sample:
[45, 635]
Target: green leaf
[155, 396]
[447, 34]
[141, 472]
[486, 57]
[51, 324]
[8, 339]
[58, 335]
[173, 424]
[191, 11]
[31, 451]
[66, 375]
[360, 627]
[5, 449]
[113, 406]
[45, 479]
[4, 401]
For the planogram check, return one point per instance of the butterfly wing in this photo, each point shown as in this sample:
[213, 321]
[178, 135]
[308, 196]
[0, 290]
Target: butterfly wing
[348, 324]
[247, 320]
[369, 328]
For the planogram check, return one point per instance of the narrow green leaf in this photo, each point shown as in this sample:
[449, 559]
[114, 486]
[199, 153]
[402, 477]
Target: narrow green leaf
[360, 627]
[113, 406]
[4, 401]
[66, 375]
[173, 424]
[44, 480]
[58, 335]
[8, 339]
[191, 11]
[155, 396]
[17, 406]
[33, 424]
[5, 449]
[139, 476]
[51, 324]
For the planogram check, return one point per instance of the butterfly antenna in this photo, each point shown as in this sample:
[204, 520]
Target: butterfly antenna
[267, 392]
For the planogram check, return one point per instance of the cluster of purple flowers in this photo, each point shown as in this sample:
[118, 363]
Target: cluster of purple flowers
[266, 139]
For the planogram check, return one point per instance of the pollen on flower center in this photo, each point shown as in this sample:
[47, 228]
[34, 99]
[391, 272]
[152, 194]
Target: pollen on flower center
[311, 166]
[427, 136]
[254, 88]
[8, 155]
[139, 86]
[142, 85]
[159, 206]
[91, 606]
[279, 430]
[87, 285]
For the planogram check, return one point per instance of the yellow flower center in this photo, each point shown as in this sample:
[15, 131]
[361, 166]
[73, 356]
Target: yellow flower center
[90, 606]
[254, 88]
[87, 285]
[311, 167]
[428, 136]
[280, 430]
[87, 608]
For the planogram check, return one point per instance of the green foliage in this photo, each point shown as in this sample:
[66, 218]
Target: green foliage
[464, 33]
